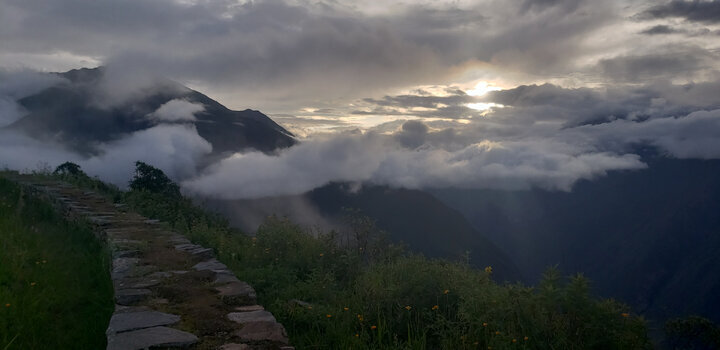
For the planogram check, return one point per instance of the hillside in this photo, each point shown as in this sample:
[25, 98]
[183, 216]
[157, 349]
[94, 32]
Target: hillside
[78, 114]
[649, 237]
[412, 217]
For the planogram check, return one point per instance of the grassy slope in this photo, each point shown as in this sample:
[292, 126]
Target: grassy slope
[383, 298]
[55, 289]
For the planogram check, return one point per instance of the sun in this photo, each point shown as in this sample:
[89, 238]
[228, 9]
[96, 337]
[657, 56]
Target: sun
[481, 88]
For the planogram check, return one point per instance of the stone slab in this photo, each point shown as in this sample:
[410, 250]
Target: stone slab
[212, 264]
[251, 316]
[150, 337]
[263, 331]
[131, 296]
[130, 321]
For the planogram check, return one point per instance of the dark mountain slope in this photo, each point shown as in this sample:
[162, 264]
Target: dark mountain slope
[414, 217]
[72, 113]
[421, 221]
[649, 237]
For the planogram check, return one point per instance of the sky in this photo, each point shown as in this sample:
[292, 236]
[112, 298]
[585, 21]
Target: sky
[505, 94]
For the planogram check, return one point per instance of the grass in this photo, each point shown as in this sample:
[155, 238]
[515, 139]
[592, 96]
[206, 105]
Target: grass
[55, 289]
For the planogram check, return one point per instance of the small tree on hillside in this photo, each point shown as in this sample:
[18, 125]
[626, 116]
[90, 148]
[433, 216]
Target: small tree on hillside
[151, 179]
[69, 169]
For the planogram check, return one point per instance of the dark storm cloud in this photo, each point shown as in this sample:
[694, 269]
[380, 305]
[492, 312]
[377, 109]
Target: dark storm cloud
[305, 49]
[695, 11]
[687, 61]
[662, 29]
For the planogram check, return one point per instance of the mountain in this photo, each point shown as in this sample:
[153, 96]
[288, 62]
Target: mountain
[649, 238]
[74, 113]
[413, 217]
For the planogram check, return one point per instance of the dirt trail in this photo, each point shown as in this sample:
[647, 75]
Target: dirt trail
[169, 293]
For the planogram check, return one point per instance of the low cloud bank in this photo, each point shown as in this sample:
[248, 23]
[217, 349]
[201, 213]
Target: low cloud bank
[545, 136]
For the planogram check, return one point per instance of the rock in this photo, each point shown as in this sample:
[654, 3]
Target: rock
[225, 276]
[212, 264]
[251, 316]
[237, 293]
[300, 303]
[234, 346]
[125, 253]
[249, 308]
[150, 337]
[122, 267]
[131, 296]
[259, 331]
[130, 321]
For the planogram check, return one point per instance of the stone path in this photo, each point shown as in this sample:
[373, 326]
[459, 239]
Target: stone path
[169, 292]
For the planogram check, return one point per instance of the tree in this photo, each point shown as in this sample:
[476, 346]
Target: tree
[69, 169]
[151, 179]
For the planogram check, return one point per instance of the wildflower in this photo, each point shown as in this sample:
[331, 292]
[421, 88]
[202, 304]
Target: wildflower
[435, 307]
[373, 327]
[321, 254]
[328, 316]
[32, 283]
[625, 314]
[446, 291]
[497, 332]
[44, 261]
[309, 307]
[408, 308]
[7, 305]
[357, 335]
[526, 338]
[346, 308]
[476, 343]
[360, 317]
[514, 340]
[488, 270]
[37, 263]
[484, 324]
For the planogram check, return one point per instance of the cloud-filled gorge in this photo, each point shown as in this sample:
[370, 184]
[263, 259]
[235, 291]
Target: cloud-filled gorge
[377, 92]
[544, 136]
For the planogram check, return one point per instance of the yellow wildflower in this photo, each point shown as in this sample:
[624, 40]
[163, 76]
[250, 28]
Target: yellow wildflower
[32, 283]
[435, 307]
[357, 335]
[484, 324]
[526, 338]
[625, 314]
[346, 308]
[7, 305]
[514, 340]
[321, 254]
[373, 327]
[360, 317]
[488, 269]
[408, 308]
[446, 291]
[328, 315]
[309, 307]
[497, 332]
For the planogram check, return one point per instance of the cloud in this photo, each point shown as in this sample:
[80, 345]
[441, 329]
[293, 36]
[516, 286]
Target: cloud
[379, 159]
[16, 84]
[661, 29]
[695, 10]
[176, 149]
[286, 53]
[177, 110]
[685, 62]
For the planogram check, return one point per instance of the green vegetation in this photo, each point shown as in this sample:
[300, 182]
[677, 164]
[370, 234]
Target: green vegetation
[375, 296]
[55, 289]
[692, 332]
